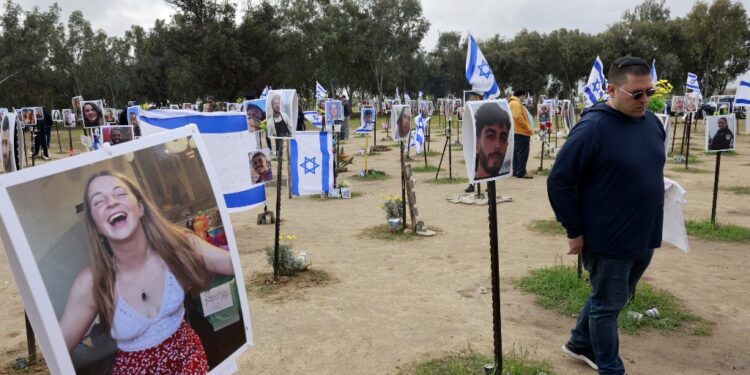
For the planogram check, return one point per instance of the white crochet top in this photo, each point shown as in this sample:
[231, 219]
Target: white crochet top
[134, 332]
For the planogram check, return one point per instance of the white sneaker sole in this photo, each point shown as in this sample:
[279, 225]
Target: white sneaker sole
[580, 358]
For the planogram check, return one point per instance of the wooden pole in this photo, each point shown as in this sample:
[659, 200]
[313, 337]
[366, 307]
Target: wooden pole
[367, 146]
[288, 170]
[495, 264]
[687, 148]
[403, 187]
[277, 231]
[716, 188]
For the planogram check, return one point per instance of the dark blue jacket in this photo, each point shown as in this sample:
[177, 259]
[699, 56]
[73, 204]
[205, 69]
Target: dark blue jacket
[607, 182]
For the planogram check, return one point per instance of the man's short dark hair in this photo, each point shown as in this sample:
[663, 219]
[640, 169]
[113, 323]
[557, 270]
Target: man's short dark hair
[623, 66]
[489, 114]
[519, 93]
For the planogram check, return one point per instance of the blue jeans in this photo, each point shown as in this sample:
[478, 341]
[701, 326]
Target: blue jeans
[520, 154]
[612, 283]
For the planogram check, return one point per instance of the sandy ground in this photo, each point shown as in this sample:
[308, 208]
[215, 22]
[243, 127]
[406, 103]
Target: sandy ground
[398, 303]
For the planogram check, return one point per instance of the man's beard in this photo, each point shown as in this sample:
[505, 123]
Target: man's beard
[484, 161]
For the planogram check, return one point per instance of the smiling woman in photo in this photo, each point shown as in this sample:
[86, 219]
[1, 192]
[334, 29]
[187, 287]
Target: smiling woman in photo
[92, 115]
[142, 265]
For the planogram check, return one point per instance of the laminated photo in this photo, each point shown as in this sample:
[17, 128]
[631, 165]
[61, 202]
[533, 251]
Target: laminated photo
[488, 140]
[132, 116]
[93, 113]
[260, 166]
[28, 116]
[69, 118]
[334, 114]
[281, 113]
[400, 123]
[56, 115]
[137, 270]
[678, 104]
[692, 102]
[256, 113]
[367, 120]
[117, 134]
[109, 116]
[720, 132]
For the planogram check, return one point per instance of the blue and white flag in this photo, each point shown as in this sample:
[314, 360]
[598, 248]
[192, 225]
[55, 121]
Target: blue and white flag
[311, 163]
[407, 97]
[264, 93]
[654, 78]
[320, 92]
[419, 97]
[596, 85]
[230, 146]
[692, 82]
[314, 118]
[742, 97]
[418, 135]
[478, 72]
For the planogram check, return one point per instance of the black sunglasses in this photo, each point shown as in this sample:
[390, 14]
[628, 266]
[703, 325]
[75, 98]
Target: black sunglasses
[639, 94]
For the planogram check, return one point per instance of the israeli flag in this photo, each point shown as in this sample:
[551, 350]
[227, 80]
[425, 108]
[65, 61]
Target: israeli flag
[407, 97]
[418, 135]
[264, 93]
[692, 82]
[314, 118]
[654, 78]
[311, 163]
[478, 72]
[742, 97]
[419, 97]
[595, 88]
[320, 91]
[229, 144]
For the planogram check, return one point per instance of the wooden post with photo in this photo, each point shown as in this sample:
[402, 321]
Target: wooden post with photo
[716, 187]
[277, 227]
[674, 134]
[497, 332]
[403, 187]
[687, 143]
[288, 170]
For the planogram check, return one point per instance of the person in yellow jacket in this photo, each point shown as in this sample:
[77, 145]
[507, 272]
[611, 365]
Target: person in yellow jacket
[522, 134]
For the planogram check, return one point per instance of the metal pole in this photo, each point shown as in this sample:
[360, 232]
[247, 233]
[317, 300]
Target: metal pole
[716, 188]
[447, 142]
[494, 262]
[674, 134]
[450, 146]
[541, 161]
[70, 142]
[288, 170]
[403, 188]
[30, 340]
[687, 149]
[59, 143]
[277, 232]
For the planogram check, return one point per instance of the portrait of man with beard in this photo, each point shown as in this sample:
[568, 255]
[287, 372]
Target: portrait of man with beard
[492, 126]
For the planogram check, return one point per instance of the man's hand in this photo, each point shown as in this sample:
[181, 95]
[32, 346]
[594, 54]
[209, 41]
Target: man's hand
[575, 245]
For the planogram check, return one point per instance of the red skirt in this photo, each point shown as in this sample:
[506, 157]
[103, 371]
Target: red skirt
[182, 353]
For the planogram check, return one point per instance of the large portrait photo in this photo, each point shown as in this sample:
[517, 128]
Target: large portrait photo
[281, 113]
[69, 118]
[334, 114]
[256, 113]
[28, 116]
[76, 103]
[260, 166]
[720, 132]
[488, 140]
[127, 260]
[93, 113]
[367, 120]
[116, 134]
[400, 123]
[678, 104]
[692, 102]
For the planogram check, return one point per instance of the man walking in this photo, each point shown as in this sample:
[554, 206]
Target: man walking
[347, 114]
[522, 134]
[607, 190]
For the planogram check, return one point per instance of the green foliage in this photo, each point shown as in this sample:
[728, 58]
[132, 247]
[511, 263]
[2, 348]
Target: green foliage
[422, 169]
[289, 265]
[548, 226]
[559, 289]
[656, 104]
[469, 362]
[447, 181]
[382, 232]
[372, 175]
[704, 230]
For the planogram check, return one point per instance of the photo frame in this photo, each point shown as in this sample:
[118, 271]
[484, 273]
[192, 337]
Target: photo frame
[44, 278]
[334, 114]
[488, 140]
[261, 170]
[368, 116]
[116, 134]
[56, 115]
[132, 114]
[425, 108]
[233, 107]
[401, 122]
[110, 116]
[256, 113]
[68, 118]
[28, 116]
[721, 133]
[187, 106]
[678, 104]
[92, 113]
[9, 146]
[39, 112]
[281, 113]
[692, 102]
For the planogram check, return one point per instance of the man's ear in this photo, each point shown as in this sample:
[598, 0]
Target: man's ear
[611, 89]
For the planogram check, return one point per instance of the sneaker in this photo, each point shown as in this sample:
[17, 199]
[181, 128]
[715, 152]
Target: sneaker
[45, 157]
[585, 355]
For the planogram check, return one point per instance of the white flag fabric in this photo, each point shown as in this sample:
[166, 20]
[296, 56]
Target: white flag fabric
[673, 230]
[478, 72]
[654, 77]
[230, 146]
[692, 82]
[264, 93]
[420, 95]
[314, 118]
[418, 135]
[407, 97]
[311, 163]
[742, 97]
[595, 88]
[320, 91]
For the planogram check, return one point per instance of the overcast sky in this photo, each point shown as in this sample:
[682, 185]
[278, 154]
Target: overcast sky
[482, 18]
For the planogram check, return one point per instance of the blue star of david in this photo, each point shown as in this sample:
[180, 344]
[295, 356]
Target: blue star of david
[596, 85]
[484, 69]
[309, 169]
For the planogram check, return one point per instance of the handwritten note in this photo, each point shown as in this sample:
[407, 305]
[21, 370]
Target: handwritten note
[216, 299]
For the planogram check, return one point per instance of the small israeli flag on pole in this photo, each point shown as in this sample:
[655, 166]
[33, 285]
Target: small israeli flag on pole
[311, 163]
[692, 82]
[478, 72]
[320, 91]
[742, 97]
[654, 78]
[596, 84]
